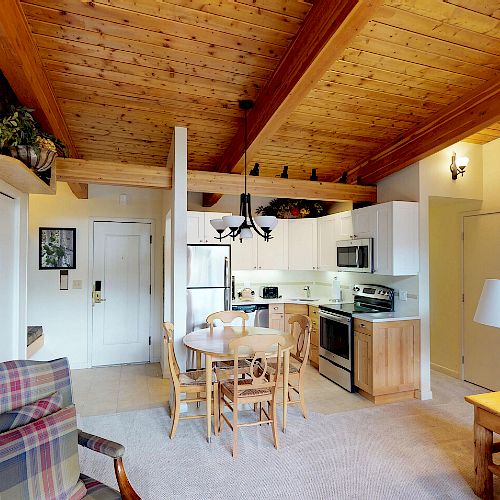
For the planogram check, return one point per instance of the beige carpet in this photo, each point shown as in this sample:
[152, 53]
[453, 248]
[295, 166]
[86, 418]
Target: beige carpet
[414, 450]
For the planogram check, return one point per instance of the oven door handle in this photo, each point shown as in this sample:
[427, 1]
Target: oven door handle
[336, 317]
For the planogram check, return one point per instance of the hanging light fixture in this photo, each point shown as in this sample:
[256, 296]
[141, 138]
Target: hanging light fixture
[242, 225]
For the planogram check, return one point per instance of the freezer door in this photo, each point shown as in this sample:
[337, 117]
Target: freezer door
[208, 266]
[202, 302]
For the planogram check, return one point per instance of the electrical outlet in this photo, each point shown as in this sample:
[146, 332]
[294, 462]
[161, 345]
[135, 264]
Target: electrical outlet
[77, 284]
[403, 295]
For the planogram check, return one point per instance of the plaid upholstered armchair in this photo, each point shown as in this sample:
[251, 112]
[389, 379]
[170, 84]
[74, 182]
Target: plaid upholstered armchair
[39, 437]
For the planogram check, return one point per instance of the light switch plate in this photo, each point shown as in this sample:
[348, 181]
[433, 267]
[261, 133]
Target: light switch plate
[77, 284]
[403, 295]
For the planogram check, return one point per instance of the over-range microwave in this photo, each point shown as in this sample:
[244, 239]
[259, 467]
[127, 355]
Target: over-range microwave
[355, 255]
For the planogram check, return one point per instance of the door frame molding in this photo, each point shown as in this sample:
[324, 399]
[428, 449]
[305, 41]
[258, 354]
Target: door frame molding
[475, 213]
[90, 330]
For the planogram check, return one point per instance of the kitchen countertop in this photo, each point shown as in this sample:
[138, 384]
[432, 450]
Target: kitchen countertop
[287, 300]
[384, 316]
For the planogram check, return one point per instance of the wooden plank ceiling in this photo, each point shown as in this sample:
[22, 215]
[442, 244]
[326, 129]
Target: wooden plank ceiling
[125, 71]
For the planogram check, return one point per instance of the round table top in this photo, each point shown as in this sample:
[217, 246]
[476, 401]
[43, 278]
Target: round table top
[217, 342]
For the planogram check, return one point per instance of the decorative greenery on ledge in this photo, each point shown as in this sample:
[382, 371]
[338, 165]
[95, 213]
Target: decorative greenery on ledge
[286, 208]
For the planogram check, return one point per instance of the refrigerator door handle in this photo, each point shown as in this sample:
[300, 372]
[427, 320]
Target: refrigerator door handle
[226, 272]
[227, 300]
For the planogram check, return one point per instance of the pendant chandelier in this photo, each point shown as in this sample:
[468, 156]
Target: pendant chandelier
[242, 225]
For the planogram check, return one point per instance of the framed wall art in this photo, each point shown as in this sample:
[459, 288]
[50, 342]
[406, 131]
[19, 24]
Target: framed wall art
[57, 248]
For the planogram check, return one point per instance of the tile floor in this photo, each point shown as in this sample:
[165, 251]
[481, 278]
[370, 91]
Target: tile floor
[99, 391]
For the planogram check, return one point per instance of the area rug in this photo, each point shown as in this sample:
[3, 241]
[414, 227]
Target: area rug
[413, 450]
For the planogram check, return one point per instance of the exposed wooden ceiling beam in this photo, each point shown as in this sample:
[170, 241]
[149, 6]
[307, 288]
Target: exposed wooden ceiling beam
[457, 121]
[21, 64]
[127, 174]
[327, 30]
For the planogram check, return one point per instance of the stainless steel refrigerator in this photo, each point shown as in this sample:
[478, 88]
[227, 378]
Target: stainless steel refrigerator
[208, 283]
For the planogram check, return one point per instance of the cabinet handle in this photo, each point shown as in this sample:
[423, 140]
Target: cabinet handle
[362, 325]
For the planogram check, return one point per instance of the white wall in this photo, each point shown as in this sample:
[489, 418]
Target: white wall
[65, 314]
[491, 176]
[13, 325]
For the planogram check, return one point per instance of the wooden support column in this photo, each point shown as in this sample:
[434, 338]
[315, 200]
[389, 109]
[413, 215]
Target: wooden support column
[22, 65]
[327, 30]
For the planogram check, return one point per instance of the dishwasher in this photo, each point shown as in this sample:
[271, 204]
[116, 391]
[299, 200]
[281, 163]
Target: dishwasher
[258, 314]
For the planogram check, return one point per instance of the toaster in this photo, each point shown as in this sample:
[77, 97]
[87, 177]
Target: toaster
[269, 292]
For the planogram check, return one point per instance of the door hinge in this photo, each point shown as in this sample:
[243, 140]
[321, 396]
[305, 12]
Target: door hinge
[150, 340]
[150, 239]
[149, 289]
[463, 297]
[463, 359]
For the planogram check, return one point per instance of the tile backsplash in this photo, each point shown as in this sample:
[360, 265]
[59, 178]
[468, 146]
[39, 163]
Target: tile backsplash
[291, 284]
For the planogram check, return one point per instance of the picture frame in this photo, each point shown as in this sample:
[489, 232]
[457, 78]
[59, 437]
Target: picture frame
[56, 248]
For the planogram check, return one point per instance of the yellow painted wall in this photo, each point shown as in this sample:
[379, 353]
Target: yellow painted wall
[445, 265]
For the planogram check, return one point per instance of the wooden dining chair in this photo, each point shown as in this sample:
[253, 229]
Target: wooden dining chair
[224, 367]
[188, 383]
[300, 329]
[259, 388]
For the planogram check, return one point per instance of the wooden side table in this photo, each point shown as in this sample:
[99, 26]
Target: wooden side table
[486, 422]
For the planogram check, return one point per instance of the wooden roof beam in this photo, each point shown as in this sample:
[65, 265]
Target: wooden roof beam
[127, 174]
[327, 30]
[22, 65]
[460, 119]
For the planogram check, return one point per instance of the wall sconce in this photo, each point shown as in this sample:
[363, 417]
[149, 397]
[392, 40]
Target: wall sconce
[458, 165]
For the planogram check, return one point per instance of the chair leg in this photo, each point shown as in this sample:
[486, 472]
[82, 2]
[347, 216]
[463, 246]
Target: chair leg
[275, 423]
[175, 419]
[302, 399]
[221, 409]
[216, 408]
[235, 429]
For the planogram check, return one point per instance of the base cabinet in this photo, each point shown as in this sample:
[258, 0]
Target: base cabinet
[277, 317]
[314, 349]
[387, 359]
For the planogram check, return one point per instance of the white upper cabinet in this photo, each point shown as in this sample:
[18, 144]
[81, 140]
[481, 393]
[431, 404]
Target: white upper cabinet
[327, 242]
[394, 229]
[195, 227]
[363, 223]
[273, 254]
[244, 254]
[302, 244]
[199, 229]
[343, 226]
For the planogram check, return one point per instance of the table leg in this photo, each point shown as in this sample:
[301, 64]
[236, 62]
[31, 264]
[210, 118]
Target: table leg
[483, 448]
[208, 370]
[286, 369]
[198, 360]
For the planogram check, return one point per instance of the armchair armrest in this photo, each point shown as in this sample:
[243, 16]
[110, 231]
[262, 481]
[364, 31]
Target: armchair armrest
[101, 445]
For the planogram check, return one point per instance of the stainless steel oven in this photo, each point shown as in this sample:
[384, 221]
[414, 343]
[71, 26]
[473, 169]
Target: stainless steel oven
[336, 338]
[335, 348]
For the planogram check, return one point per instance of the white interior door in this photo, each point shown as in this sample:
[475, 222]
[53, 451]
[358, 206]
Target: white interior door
[122, 265]
[481, 342]
[7, 284]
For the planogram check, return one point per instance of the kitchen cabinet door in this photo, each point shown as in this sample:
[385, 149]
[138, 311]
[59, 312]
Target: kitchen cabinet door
[277, 321]
[195, 227]
[363, 370]
[343, 229]
[273, 254]
[363, 222]
[327, 243]
[244, 254]
[302, 244]
[209, 232]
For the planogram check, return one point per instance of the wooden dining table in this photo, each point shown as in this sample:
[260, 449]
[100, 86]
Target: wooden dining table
[214, 344]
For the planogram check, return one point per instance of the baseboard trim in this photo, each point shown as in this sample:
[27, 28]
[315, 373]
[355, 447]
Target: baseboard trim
[446, 371]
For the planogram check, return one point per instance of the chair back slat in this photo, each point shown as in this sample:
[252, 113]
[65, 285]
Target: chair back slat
[260, 348]
[300, 329]
[226, 317]
[25, 381]
[168, 334]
